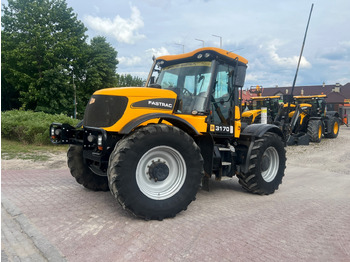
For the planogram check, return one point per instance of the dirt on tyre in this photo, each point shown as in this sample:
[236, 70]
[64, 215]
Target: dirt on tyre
[314, 130]
[266, 166]
[333, 128]
[82, 173]
[155, 172]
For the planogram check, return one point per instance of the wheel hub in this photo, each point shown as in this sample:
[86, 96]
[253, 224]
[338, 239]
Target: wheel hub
[265, 164]
[158, 170]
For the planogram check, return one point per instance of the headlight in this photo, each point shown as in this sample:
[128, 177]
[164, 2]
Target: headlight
[100, 142]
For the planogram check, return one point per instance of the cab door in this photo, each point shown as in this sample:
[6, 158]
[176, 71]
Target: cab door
[221, 105]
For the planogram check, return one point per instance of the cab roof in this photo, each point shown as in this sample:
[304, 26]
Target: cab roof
[264, 97]
[202, 54]
[310, 97]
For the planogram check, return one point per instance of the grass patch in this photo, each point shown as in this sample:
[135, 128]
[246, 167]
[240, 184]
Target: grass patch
[14, 149]
[30, 127]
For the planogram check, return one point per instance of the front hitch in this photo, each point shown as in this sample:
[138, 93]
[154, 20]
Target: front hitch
[64, 134]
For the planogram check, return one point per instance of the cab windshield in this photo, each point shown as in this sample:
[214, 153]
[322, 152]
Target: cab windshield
[190, 81]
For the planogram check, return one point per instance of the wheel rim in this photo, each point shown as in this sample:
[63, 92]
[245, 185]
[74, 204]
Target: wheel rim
[269, 164]
[161, 172]
[335, 128]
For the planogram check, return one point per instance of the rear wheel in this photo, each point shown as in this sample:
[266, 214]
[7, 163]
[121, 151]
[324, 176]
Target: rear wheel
[266, 166]
[155, 172]
[333, 128]
[82, 173]
[314, 130]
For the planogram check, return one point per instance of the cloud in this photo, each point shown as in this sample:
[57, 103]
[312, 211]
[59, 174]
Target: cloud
[286, 62]
[130, 61]
[341, 52]
[123, 30]
[157, 51]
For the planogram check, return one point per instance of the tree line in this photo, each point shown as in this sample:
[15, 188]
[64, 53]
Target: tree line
[47, 64]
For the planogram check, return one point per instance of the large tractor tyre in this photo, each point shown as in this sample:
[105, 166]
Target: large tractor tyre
[82, 173]
[314, 130]
[155, 172]
[266, 165]
[333, 128]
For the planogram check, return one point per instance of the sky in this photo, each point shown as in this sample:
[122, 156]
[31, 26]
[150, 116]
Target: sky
[267, 33]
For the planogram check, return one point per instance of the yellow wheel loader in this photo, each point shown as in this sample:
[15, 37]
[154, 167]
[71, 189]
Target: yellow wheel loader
[153, 147]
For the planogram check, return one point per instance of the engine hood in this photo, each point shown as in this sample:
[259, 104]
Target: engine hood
[137, 92]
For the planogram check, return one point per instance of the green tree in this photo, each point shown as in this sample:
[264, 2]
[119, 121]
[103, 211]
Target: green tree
[100, 69]
[43, 49]
[128, 80]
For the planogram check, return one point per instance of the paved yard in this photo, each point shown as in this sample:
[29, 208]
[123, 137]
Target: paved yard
[307, 219]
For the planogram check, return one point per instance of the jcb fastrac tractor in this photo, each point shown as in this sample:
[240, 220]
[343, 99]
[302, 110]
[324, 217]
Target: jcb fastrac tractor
[307, 119]
[152, 147]
[314, 118]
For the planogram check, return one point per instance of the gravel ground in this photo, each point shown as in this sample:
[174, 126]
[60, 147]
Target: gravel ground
[330, 154]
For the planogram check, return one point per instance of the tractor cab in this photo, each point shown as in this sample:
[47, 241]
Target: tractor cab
[206, 83]
[314, 105]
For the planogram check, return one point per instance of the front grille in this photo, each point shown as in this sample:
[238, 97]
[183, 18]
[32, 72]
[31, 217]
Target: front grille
[104, 111]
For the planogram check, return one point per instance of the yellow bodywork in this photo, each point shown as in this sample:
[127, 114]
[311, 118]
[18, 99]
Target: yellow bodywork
[136, 94]
[250, 113]
[238, 123]
[302, 114]
[310, 97]
[264, 97]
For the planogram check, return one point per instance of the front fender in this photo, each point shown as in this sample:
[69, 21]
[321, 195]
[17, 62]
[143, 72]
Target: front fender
[174, 120]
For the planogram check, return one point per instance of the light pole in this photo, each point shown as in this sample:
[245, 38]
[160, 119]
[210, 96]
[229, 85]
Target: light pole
[75, 97]
[220, 39]
[183, 47]
[200, 41]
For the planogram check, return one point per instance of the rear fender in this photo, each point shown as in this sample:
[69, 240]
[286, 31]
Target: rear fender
[258, 130]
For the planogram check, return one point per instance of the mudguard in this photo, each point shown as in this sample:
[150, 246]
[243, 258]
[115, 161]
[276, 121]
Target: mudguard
[258, 130]
[250, 133]
[176, 121]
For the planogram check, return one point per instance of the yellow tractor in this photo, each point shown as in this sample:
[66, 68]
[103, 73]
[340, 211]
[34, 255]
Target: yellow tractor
[314, 118]
[308, 120]
[154, 146]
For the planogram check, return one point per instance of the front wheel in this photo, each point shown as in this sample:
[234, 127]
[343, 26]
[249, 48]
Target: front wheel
[82, 173]
[155, 172]
[266, 165]
[314, 130]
